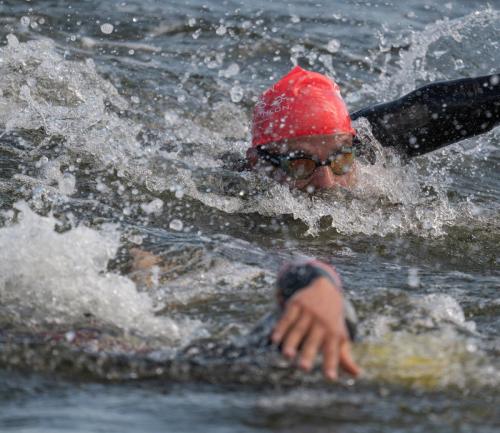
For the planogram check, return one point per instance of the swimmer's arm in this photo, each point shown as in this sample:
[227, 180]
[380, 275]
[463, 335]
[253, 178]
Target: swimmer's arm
[436, 115]
[313, 322]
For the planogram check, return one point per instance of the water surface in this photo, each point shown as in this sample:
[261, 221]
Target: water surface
[121, 126]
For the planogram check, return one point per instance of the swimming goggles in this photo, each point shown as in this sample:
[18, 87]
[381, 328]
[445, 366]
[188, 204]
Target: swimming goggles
[300, 166]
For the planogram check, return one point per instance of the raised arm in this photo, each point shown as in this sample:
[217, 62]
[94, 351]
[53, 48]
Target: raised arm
[316, 318]
[436, 115]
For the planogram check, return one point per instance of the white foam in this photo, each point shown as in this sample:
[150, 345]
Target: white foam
[67, 99]
[47, 277]
[414, 64]
[70, 99]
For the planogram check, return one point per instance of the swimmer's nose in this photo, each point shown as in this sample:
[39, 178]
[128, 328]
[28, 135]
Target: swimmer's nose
[323, 178]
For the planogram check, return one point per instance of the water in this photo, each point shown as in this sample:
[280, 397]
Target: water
[121, 127]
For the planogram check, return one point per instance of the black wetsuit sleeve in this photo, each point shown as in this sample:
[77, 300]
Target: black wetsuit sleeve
[436, 115]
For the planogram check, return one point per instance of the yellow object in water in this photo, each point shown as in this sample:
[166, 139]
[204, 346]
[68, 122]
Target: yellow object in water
[428, 361]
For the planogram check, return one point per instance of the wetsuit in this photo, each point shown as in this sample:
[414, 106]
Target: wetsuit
[436, 115]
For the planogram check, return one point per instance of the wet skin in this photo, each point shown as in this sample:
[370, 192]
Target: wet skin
[313, 319]
[320, 147]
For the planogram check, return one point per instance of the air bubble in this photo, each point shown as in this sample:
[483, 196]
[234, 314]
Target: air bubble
[333, 46]
[171, 118]
[176, 225]
[413, 278]
[154, 206]
[25, 21]
[236, 94]
[107, 28]
[179, 193]
[221, 30]
[232, 70]
[67, 184]
[135, 239]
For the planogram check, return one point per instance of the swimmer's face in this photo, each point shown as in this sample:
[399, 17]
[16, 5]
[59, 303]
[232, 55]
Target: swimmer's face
[317, 147]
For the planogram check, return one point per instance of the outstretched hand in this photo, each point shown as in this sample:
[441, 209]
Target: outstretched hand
[313, 322]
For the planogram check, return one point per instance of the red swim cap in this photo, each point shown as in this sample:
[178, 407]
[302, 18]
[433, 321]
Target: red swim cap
[301, 103]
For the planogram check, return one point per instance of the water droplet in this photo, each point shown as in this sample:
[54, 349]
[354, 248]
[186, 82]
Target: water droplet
[171, 118]
[155, 206]
[196, 34]
[295, 19]
[67, 184]
[135, 239]
[25, 21]
[297, 49]
[232, 70]
[494, 80]
[41, 162]
[333, 46]
[221, 30]
[107, 28]
[135, 99]
[179, 193]
[176, 225]
[413, 278]
[236, 94]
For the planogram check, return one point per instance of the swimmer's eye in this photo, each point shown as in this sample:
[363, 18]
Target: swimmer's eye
[298, 166]
[342, 162]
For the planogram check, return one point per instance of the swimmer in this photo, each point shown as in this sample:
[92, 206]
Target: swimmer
[313, 316]
[303, 134]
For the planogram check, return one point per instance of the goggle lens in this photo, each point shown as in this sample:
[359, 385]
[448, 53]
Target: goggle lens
[300, 168]
[342, 163]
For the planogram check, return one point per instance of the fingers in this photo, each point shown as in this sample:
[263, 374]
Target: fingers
[311, 346]
[291, 314]
[296, 335]
[346, 361]
[331, 358]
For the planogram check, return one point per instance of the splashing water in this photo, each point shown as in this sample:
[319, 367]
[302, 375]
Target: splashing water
[390, 199]
[433, 51]
[65, 99]
[47, 277]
